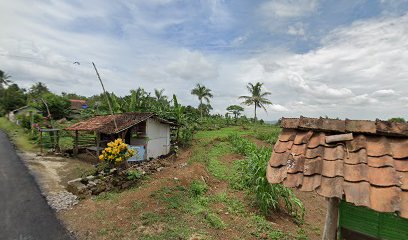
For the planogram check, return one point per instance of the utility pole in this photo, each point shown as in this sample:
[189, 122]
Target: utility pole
[106, 94]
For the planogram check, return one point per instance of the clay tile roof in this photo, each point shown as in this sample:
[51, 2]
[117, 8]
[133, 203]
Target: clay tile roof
[105, 124]
[77, 104]
[369, 170]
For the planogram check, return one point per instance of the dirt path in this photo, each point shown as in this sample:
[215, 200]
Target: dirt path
[23, 210]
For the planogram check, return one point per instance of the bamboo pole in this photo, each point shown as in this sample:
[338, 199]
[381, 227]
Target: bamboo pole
[332, 215]
[107, 98]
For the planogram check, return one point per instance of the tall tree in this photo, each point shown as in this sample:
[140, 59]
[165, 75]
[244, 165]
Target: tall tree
[236, 110]
[37, 90]
[202, 93]
[12, 98]
[4, 79]
[257, 97]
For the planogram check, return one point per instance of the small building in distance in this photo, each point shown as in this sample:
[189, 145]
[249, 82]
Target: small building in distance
[76, 107]
[145, 132]
[26, 111]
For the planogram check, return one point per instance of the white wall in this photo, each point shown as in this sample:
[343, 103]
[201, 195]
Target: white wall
[158, 142]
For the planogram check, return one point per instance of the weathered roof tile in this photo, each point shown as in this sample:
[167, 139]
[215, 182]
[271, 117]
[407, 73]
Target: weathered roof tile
[293, 180]
[385, 199]
[332, 169]
[313, 166]
[331, 187]
[384, 176]
[310, 183]
[370, 170]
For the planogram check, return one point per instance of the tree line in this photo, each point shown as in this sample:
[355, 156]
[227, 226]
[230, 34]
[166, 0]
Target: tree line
[58, 106]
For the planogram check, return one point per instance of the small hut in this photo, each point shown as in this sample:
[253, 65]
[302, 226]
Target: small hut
[361, 167]
[145, 132]
[26, 111]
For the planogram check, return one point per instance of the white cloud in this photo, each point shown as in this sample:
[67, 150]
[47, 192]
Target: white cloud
[297, 29]
[278, 108]
[288, 8]
[384, 93]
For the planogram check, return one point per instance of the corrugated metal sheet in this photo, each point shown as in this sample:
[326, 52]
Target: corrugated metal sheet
[372, 223]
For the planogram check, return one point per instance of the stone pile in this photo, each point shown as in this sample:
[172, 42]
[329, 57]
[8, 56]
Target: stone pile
[62, 200]
[114, 179]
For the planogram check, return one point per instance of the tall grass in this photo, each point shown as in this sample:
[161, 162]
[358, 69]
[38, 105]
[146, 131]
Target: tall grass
[270, 136]
[251, 175]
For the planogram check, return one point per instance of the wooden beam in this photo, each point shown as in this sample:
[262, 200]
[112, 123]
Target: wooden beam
[98, 142]
[339, 138]
[332, 215]
[76, 143]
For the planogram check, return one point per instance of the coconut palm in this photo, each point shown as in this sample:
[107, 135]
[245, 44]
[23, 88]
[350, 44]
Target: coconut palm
[257, 98]
[202, 93]
[4, 78]
[159, 94]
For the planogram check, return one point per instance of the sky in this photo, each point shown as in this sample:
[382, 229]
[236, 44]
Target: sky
[337, 58]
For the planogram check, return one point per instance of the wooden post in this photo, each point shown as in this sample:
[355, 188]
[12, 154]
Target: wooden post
[57, 146]
[41, 145]
[332, 215]
[76, 143]
[98, 138]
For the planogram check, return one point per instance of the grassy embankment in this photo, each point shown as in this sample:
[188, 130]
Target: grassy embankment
[18, 135]
[205, 199]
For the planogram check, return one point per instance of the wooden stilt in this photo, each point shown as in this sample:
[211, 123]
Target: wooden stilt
[76, 143]
[41, 145]
[330, 226]
[57, 145]
[98, 140]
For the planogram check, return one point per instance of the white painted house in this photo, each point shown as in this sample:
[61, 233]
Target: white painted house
[145, 132]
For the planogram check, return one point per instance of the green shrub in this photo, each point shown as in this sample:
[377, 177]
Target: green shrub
[198, 188]
[134, 175]
[251, 174]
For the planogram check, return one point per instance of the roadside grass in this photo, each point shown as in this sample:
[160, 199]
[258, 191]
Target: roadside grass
[196, 209]
[18, 135]
[107, 196]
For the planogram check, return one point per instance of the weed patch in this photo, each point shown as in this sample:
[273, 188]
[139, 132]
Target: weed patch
[251, 174]
[107, 196]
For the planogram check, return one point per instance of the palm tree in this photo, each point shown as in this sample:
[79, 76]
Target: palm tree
[202, 93]
[257, 98]
[159, 94]
[4, 78]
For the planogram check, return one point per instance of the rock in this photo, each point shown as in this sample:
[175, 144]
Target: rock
[62, 200]
[159, 169]
[90, 178]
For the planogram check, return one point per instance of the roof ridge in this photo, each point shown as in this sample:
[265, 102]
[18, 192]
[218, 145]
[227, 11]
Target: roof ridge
[377, 127]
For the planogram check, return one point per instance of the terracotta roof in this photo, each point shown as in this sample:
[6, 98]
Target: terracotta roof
[370, 170]
[105, 124]
[77, 104]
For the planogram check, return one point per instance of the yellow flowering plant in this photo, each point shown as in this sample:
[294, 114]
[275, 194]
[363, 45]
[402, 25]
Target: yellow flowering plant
[116, 152]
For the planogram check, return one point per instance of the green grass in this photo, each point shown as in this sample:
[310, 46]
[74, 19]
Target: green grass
[107, 196]
[18, 135]
[210, 154]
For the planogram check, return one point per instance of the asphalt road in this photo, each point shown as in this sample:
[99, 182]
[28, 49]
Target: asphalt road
[24, 212]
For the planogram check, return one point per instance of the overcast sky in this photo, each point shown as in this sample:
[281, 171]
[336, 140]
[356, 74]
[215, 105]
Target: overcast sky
[346, 59]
